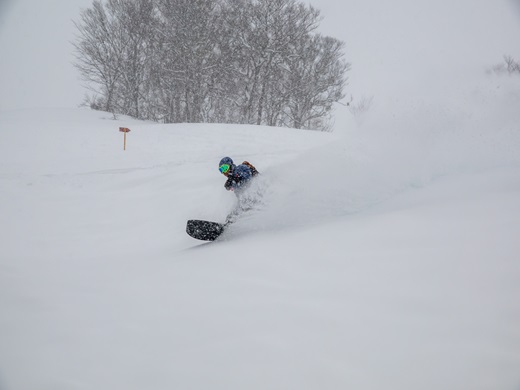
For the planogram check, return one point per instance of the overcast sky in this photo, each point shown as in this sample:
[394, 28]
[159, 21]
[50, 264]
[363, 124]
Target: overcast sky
[36, 54]
[392, 45]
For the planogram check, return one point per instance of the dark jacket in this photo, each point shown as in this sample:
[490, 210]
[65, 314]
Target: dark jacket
[240, 176]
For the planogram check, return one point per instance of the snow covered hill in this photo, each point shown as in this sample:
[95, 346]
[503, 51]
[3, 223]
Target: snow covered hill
[386, 256]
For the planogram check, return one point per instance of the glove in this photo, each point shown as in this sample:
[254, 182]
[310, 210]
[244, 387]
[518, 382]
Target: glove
[229, 184]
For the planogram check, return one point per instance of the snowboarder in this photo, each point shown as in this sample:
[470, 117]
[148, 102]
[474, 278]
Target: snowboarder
[238, 180]
[237, 175]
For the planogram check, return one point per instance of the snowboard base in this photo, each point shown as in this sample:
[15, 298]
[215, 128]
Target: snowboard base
[204, 230]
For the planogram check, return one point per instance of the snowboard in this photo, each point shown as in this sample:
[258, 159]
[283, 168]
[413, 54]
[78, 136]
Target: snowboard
[204, 230]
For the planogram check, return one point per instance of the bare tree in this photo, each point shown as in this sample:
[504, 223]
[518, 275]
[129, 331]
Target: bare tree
[512, 65]
[360, 106]
[265, 35]
[316, 80]
[99, 52]
[190, 58]
[235, 61]
[509, 66]
[135, 22]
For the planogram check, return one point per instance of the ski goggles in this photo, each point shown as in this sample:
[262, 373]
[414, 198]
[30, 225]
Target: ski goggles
[224, 168]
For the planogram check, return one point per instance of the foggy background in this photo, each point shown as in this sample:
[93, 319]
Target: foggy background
[396, 48]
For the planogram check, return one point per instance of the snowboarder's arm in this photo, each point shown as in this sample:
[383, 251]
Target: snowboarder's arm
[228, 185]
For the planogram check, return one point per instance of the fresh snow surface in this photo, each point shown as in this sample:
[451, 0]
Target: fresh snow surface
[386, 255]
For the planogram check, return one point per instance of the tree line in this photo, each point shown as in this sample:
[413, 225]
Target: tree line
[227, 61]
[509, 66]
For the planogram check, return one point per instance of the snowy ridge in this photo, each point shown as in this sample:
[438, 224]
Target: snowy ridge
[386, 255]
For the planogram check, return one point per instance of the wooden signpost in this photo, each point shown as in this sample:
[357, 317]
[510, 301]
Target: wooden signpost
[124, 130]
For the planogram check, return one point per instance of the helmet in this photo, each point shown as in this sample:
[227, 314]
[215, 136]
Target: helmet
[226, 166]
[226, 160]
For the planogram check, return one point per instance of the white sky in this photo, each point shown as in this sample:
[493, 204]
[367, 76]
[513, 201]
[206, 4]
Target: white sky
[392, 45]
[36, 54]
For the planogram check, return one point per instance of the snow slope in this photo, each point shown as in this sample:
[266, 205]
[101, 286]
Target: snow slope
[387, 254]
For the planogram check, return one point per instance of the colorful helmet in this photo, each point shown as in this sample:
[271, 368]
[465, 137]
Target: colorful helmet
[226, 165]
[226, 160]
